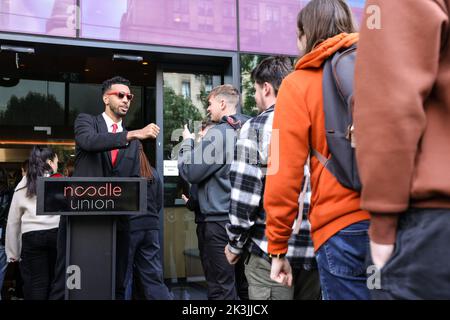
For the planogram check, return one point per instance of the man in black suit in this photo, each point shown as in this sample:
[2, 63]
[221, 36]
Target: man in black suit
[105, 149]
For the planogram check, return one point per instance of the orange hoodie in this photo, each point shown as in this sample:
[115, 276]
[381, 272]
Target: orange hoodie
[300, 121]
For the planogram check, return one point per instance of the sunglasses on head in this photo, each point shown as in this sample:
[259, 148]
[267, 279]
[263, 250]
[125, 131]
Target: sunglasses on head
[121, 94]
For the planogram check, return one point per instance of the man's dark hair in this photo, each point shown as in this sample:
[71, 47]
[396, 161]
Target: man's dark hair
[107, 84]
[272, 70]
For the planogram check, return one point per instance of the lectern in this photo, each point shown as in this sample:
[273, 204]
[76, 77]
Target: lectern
[95, 207]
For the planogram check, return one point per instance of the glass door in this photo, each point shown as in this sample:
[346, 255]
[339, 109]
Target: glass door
[184, 101]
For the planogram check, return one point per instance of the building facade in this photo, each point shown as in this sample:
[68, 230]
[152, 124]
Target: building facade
[56, 53]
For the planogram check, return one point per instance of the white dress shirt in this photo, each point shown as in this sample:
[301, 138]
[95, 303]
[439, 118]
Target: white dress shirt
[110, 122]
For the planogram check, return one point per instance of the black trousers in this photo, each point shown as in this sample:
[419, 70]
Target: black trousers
[219, 274]
[37, 263]
[419, 266]
[306, 284]
[145, 259]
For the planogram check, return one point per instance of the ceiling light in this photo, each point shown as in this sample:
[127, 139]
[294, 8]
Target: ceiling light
[118, 56]
[5, 47]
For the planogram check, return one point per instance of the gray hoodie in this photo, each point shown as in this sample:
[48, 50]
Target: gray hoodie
[207, 164]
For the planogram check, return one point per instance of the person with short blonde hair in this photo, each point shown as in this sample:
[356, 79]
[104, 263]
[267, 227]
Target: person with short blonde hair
[207, 165]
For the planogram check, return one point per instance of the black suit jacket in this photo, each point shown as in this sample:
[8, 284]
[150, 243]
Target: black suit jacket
[93, 150]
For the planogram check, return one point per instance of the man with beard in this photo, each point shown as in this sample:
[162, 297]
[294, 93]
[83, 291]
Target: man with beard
[105, 149]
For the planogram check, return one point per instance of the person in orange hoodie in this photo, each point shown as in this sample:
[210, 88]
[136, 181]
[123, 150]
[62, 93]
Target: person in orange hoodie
[338, 225]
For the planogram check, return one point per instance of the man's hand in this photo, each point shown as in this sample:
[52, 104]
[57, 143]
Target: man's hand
[149, 131]
[187, 134]
[185, 199]
[231, 257]
[380, 253]
[281, 271]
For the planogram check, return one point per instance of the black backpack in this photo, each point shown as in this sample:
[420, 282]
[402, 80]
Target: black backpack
[338, 75]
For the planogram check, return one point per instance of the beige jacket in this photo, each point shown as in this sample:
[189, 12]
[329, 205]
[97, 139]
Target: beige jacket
[22, 218]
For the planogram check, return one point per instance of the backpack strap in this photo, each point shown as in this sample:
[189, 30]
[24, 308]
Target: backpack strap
[322, 159]
[342, 68]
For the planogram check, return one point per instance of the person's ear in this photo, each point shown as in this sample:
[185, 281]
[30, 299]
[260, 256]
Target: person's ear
[105, 99]
[223, 104]
[267, 89]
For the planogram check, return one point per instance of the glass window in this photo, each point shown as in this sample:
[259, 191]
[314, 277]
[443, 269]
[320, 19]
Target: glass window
[31, 103]
[272, 14]
[205, 8]
[208, 83]
[251, 12]
[163, 22]
[229, 10]
[186, 89]
[181, 255]
[206, 27]
[181, 6]
[49, 17]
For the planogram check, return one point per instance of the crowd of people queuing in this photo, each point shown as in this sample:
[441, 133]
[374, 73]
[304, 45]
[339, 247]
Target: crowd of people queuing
[275, 217]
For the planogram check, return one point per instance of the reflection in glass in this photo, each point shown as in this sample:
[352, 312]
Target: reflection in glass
[167, 22]
[248, 63]
[32, 102]
[49, 17]
[268, 26]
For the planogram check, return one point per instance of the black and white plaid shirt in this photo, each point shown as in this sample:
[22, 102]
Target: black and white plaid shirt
[247, 215]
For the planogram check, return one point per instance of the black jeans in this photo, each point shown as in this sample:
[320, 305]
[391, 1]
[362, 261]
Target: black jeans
[38, 263]
[419, 267]
[145, 258]
[219, 274]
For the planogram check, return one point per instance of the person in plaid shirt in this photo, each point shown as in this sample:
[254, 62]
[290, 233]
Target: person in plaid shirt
[246, 230]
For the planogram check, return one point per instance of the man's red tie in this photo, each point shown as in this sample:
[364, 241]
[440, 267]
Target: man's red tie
[115, 151]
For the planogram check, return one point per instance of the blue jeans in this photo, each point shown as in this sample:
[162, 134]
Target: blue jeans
[342, 266]
[3, 265]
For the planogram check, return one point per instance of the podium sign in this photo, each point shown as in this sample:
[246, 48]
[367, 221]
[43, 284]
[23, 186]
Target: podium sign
[88, 196]
[94, 229]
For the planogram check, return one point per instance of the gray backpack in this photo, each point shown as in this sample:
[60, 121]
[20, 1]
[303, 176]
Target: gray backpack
[338, 74]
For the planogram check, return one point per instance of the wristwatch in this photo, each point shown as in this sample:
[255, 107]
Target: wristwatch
[279, 255]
